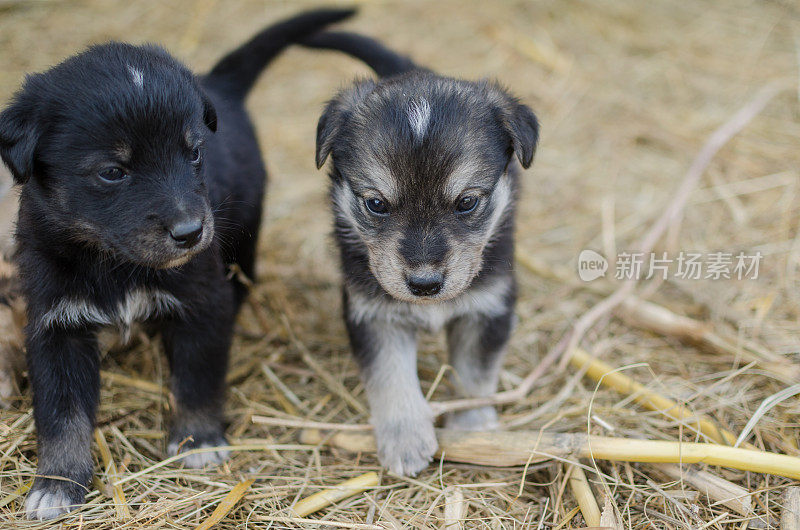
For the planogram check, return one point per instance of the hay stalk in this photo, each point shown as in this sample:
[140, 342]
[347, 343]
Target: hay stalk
[582, 491]
[517, 448]
[226, 504]
[605, 375]
[328, 496]
[118, 494]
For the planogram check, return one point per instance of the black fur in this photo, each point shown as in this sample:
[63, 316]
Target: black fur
[422, 145]
[122, 153]
[382, 60]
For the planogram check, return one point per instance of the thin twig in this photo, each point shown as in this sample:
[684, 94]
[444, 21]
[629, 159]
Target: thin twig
[607, 376]
[307, 424]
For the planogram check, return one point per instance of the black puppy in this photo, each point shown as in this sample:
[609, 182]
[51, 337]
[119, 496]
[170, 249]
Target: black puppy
[424, 181]
[131, 210]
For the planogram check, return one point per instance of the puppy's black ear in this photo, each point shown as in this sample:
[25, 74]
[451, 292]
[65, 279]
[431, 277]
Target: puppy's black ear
[519, 121]
[523, 126]
[209, 113]
[335, 114]
[19, 136]
[327, 128]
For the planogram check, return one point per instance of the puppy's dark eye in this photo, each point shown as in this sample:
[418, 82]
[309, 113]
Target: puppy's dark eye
[196, 156]
[112, 174]
[467, 203]
[377, 206]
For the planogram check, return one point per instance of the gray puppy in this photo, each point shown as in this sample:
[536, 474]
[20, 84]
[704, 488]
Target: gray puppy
[423, 186]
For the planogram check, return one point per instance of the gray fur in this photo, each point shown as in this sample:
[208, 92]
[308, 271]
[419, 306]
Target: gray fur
[402, 418]
[56, 456]
[423, 188]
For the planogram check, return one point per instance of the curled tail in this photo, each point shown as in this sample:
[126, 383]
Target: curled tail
[384, 61]
[236, 73]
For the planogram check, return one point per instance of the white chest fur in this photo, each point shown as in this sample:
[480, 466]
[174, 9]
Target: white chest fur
[138, 305]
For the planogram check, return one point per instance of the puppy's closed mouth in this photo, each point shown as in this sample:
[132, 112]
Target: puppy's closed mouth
[171, 264]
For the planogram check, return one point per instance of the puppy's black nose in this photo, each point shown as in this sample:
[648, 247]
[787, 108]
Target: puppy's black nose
[186, 234]
[425, 285]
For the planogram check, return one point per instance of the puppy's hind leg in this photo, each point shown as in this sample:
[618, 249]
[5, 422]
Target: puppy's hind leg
[402, 418]
[65, 376]
[197, 344]
[477, 344]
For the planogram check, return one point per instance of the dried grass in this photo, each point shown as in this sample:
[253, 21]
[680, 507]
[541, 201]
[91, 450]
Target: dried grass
[627, 92]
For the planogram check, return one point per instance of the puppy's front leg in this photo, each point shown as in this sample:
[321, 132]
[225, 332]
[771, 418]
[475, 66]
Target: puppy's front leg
[387, 354]
[197, 344]
[477, 344]
[65, 375]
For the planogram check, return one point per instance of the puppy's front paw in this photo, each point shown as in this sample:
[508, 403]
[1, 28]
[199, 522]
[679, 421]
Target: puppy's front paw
[201, 459]
[406, 446]
[51, 498]
[480, 419]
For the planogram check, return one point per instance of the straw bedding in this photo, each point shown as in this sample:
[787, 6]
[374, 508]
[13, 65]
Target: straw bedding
[627, 93]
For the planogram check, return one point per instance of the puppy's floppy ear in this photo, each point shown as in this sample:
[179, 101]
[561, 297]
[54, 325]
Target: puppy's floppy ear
[19, 136]
[209, 113]
[520, 122]
[524, 129]
[327, 128]
[335, 114]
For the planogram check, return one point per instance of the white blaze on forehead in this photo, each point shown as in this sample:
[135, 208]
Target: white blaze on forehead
[137, 76]
[419, 116]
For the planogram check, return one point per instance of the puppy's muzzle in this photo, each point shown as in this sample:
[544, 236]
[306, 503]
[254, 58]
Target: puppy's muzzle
[427, 284]
[187, 233]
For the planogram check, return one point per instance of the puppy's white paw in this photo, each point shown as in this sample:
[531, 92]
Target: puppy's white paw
[48, 503]
[480, 419]
[406, 446]
[202, 459]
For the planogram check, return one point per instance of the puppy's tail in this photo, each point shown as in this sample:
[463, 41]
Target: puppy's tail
[384, 61]
[236, 73]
